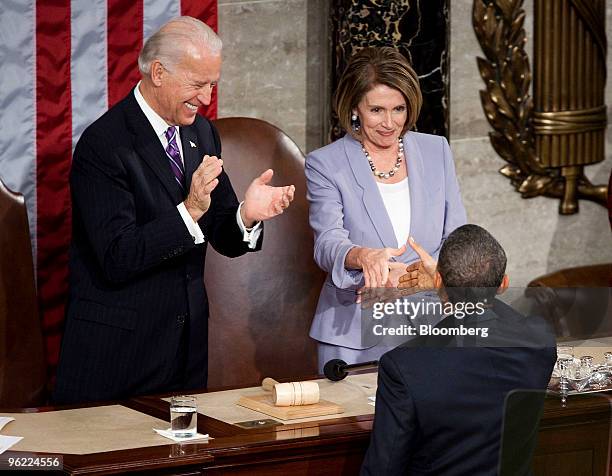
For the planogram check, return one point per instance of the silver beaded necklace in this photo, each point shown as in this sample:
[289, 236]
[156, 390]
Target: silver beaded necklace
[398, 162]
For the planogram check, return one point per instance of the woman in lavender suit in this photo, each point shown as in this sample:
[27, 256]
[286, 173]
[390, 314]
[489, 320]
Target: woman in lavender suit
[371, 190]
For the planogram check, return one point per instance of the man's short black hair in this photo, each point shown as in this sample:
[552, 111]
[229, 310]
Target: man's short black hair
[471, 259]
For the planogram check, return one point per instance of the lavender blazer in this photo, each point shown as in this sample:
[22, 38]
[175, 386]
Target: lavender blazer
[346, 210]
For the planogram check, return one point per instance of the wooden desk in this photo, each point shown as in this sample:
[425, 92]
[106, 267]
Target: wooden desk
[573, 441]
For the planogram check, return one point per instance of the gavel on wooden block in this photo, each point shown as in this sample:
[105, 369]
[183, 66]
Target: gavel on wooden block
[292, 393]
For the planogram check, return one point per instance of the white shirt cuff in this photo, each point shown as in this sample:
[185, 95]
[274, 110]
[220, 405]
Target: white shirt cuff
[194, 229]
[249, 235]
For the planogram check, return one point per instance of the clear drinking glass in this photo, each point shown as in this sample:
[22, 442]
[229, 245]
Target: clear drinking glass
[565, 352]
[183, 416]
[586, 365]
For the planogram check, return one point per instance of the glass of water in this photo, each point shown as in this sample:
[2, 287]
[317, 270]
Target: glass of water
[183, 416]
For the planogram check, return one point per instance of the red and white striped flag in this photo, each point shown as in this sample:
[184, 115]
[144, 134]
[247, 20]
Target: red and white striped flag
[65, 62]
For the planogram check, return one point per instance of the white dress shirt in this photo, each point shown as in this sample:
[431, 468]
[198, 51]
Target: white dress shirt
[249, 235]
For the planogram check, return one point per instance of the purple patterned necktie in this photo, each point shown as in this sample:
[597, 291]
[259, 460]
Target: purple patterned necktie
[174, 155]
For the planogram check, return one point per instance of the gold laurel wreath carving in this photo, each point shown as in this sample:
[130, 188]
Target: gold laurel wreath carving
[508, 106]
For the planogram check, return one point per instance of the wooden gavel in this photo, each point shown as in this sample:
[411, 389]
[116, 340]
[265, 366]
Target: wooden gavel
[292, 393]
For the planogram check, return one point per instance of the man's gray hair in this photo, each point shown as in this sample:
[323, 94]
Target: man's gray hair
[172, 41]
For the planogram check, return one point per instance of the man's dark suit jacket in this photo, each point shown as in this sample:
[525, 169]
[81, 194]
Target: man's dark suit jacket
[440, 401]
[137, 317]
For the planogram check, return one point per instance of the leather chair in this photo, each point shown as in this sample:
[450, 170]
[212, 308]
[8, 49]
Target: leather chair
[22, 361]
[519, 437]
[577, 302]
[262, 304]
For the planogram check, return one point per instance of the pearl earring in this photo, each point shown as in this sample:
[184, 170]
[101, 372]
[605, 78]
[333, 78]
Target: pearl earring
[355, 124]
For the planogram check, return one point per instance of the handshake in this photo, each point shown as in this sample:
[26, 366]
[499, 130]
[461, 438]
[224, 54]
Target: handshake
[386, 279]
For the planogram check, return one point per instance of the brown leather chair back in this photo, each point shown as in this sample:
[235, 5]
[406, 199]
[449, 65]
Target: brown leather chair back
[577, 302]
[262, 304]
[22, 364]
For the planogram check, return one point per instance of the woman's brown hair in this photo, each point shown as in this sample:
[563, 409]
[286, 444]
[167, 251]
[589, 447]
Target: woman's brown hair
[372, 66]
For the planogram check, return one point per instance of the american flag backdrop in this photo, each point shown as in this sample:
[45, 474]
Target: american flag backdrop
[63, 63]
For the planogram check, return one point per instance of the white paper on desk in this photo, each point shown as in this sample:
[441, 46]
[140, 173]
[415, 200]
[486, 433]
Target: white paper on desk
[7, 441]
[4, 420]
[168, 434]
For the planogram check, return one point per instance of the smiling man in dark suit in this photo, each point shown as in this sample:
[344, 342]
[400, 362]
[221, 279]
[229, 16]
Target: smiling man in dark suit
[148, 195]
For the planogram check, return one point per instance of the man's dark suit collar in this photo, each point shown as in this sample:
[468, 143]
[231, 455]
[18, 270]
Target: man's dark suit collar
[149, 148]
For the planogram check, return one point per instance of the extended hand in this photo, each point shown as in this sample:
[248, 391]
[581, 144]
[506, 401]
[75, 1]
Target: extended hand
[420, 275]
[375, 264]
[368, 296]
[203, 182]
[262, 201]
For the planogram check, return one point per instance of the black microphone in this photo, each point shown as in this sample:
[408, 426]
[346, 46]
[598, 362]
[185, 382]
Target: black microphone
[337, 369]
